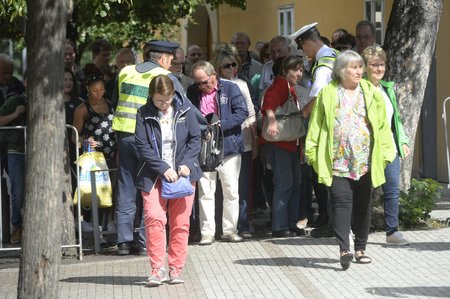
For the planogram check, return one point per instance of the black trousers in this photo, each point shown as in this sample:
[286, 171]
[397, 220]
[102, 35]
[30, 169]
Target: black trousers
[351, 202]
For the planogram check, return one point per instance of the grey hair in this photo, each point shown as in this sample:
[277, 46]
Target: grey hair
[344, 60]
[155, 56]
[5, 58]
[205, 66]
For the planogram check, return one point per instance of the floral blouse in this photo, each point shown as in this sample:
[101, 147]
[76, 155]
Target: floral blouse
[352, 136]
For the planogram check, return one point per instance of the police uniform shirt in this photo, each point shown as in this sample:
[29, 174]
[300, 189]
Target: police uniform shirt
[322, 74]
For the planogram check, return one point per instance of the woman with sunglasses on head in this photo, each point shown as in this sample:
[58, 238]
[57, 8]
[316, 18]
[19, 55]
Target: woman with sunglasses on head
[226, 62]
[375, 58]
[93, 121]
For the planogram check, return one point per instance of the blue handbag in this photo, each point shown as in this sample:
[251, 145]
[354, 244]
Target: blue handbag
[178, 189]
[173, 190]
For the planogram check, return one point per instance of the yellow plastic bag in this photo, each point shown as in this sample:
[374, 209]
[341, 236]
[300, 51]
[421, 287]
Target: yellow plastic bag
[94, 161]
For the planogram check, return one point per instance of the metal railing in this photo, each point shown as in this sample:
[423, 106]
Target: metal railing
[444, 118]
[79, 245]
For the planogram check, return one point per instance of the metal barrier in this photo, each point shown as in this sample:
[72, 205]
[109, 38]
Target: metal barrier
[444, 118]
[80, 240]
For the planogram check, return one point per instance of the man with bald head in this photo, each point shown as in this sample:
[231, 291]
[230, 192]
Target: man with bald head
[9, 85]
[365, 35]
[176, 68]
[249, 67]
[194, 54]
[279, 46]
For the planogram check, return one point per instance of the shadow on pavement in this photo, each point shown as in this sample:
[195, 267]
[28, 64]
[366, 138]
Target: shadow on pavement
[422, 246]
[316, 263]
[303, 241]
[111, 280]
[428, 291]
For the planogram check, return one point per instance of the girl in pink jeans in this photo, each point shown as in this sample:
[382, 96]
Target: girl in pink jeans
[168, 142]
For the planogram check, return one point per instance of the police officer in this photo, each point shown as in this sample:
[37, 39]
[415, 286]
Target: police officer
[308, 39]
[131, 92]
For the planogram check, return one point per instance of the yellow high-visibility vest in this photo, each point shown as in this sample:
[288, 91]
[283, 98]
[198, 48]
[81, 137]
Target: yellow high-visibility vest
[133, 93]
[327, 61]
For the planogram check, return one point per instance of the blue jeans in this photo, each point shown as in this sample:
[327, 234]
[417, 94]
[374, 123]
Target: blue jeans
[286, 187]
[16, 172]
[244, 192]
[126, 191]
[391, 195]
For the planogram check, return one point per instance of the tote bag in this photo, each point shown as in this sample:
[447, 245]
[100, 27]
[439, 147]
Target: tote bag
[94, 161]
[290, 123]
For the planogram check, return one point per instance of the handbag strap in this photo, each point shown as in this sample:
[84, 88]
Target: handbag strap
[291, 96]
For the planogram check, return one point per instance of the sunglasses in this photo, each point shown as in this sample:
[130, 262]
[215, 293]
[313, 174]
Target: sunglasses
[228, 65]
[93, 78]
[202, 82]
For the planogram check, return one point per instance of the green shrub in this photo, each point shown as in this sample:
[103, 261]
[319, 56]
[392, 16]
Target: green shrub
[416, 205]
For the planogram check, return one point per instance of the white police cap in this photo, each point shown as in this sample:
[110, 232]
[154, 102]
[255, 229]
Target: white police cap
[304, 32]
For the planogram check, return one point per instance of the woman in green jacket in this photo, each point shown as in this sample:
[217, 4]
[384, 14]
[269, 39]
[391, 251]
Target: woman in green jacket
[375, 58]
[348, 145]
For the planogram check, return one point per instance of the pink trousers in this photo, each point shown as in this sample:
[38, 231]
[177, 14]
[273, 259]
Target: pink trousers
[155, 216]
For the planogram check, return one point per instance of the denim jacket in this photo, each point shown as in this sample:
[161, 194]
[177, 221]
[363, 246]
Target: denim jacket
[232, 111]
[187, 138]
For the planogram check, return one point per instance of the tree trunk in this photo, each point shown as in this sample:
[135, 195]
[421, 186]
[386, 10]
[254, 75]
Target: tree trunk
[41, 244]
[410, 42]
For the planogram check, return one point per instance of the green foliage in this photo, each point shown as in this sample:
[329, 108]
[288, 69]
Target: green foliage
[416, 205]
[122, 22]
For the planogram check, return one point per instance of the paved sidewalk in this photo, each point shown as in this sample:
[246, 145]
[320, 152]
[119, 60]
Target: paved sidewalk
[300, 267]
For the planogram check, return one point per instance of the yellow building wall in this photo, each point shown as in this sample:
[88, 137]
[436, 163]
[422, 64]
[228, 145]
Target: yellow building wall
[260, 19]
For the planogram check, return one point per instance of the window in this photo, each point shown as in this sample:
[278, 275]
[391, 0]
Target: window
[286, 20]
[374, 12]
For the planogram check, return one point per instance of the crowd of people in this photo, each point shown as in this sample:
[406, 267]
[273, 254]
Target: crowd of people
[152, 120]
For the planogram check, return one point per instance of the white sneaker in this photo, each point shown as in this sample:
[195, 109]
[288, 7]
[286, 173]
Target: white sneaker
[157, 277]
[206, 240]
[396, 239]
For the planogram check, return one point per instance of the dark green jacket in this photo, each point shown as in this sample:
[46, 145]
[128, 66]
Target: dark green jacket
[396, 122]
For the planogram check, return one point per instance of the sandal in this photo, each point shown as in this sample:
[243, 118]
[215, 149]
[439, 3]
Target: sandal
[362, 258]
[346, 259]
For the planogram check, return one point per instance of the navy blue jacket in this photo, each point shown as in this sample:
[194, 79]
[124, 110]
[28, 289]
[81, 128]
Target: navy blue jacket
[232, 110]
[188, 142]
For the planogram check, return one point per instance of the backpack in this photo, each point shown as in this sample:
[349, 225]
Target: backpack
[211, 153]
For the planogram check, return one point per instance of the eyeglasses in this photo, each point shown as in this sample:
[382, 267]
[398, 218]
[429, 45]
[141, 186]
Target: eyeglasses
[178, 63]
[203, 82]
[195, 54]
[377, 65]
[228, 65]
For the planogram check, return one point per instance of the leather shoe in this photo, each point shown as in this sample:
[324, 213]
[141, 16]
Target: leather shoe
[123, 249]
[325, 231]
[283, 234]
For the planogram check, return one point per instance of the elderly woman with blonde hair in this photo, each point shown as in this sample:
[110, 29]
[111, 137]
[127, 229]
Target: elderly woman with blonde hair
[375, 58]
[349, 145]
